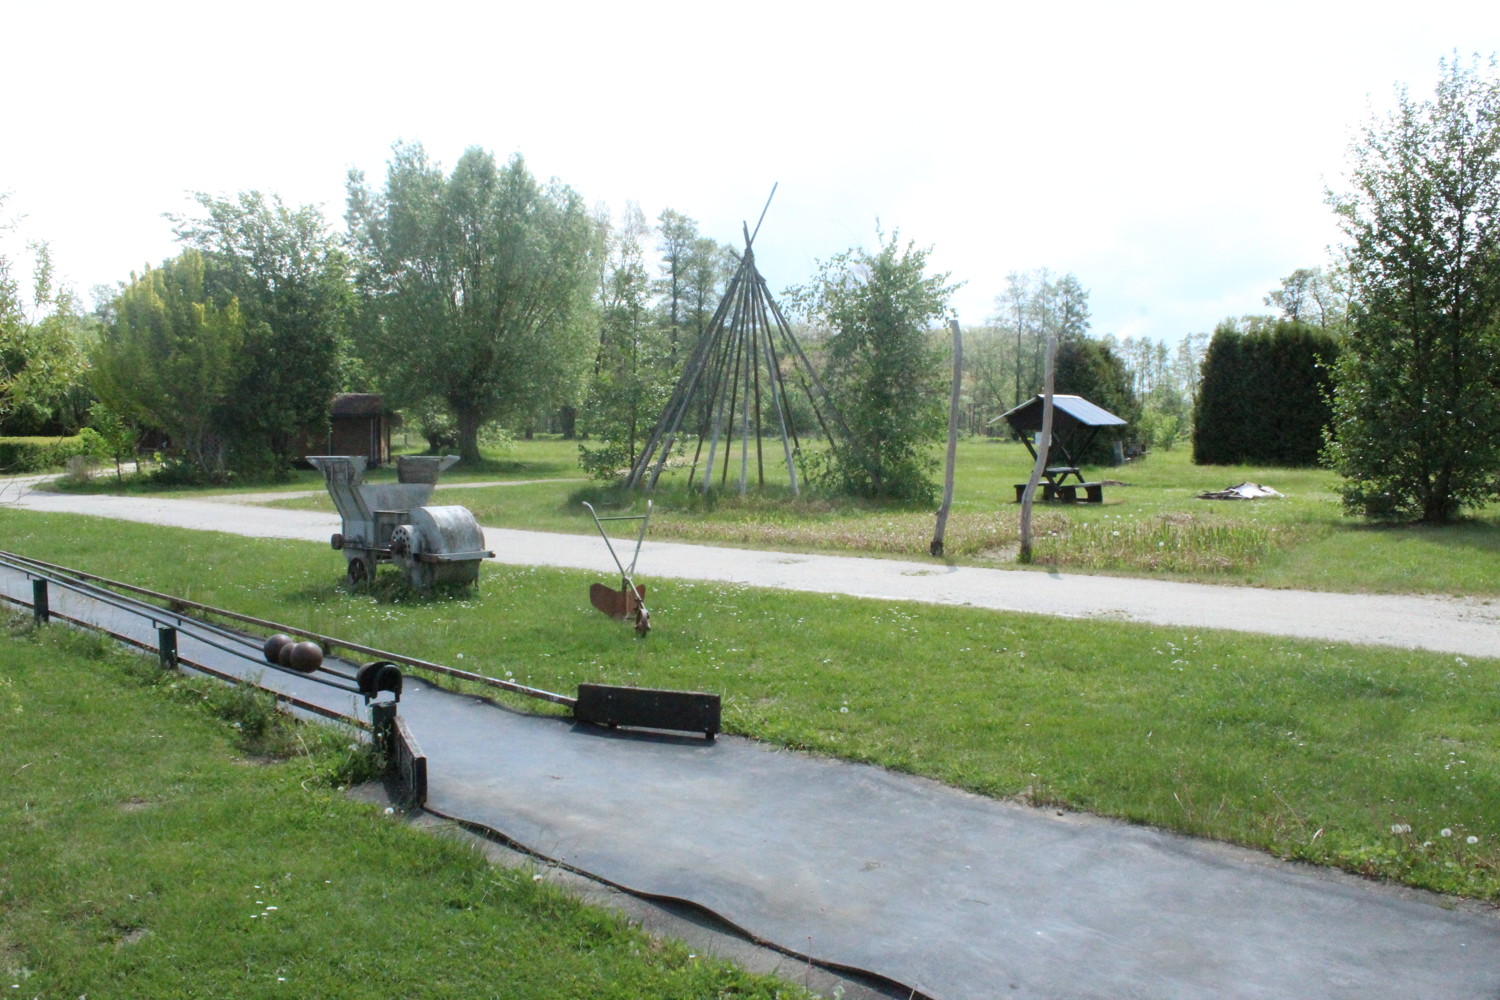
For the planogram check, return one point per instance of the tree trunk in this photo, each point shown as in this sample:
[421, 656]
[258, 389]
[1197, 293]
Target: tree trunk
[936, 548]
[468, 434]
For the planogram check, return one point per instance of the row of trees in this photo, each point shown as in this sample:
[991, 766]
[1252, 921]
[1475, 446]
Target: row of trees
[470, 299]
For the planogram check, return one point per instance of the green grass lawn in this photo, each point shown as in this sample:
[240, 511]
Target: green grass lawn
[1342, 755]
[1152, 525]
[151, 849]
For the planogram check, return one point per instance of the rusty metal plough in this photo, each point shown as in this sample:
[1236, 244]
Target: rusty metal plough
[629, 602]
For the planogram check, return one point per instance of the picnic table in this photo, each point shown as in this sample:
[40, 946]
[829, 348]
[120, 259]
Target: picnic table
[1075, 421]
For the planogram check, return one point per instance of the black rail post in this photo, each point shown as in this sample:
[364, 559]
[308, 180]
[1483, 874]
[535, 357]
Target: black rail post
[383, 723]
[166, 646]
[39, 608]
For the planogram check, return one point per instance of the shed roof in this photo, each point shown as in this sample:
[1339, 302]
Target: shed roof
[358, 404]
[1067, 411]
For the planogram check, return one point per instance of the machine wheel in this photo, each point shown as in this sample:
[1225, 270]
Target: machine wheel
[358, 572]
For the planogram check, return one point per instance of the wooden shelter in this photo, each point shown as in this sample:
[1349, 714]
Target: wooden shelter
[359, 424]
[733, 392]
[1075, 424]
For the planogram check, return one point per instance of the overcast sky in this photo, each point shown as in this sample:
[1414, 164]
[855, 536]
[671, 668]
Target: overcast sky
[1173, 156]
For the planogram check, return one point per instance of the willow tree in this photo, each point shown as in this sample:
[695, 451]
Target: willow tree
[476, 287]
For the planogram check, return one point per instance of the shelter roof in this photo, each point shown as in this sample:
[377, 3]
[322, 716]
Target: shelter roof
[1068, 411]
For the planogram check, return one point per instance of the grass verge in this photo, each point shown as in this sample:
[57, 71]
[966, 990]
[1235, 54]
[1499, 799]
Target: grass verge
[1341, 755]
[1152, 524]
[155, 849]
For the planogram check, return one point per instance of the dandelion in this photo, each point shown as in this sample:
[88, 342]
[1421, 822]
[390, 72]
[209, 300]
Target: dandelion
[390, 811]
[1400, 828]
[1446, 832]
[1473, 839]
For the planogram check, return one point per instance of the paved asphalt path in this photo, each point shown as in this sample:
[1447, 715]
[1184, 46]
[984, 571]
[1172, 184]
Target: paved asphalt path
[1464, 626]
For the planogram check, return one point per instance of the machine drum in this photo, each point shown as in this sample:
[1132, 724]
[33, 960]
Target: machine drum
[444, 546]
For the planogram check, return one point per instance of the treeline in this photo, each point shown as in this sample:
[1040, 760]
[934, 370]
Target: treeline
[482, 298]
[481, 301]
[478, 301]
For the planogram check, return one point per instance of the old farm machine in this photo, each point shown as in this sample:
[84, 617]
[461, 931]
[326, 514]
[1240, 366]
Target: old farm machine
[389, 522]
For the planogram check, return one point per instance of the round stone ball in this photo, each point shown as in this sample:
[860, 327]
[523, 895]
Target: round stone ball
[305, 656]
[272, 648]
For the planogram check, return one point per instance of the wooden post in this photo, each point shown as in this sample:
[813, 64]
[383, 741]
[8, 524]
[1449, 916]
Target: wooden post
[40, 610]
[958, 383]
[1043, 447]
[166, 646]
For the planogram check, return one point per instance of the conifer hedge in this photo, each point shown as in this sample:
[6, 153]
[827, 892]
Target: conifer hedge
[1264, 395]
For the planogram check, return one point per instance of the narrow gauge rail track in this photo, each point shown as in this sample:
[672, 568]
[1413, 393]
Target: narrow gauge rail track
[691, 711]
[160, 609]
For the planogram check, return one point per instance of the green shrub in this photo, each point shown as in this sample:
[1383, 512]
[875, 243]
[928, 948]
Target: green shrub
[19, 456]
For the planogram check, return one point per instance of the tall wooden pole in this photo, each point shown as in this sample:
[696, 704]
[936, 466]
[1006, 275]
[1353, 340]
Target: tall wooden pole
[936, 548]
[1043, 446]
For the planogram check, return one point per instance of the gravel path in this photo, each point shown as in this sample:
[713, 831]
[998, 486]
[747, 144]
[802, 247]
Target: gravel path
[1464, 626]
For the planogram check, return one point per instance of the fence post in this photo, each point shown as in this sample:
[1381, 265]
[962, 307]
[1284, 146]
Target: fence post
[166, 646]
[39, 608]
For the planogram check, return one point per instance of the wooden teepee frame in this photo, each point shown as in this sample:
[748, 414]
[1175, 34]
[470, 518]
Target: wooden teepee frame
[733, 383]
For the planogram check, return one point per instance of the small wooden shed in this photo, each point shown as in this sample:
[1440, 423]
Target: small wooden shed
[359, 424]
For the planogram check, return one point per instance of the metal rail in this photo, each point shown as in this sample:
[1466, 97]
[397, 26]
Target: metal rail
[203, 668]
[328, 643]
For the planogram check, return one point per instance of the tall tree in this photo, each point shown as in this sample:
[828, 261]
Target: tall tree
[677, 234]
[1090, 368]
[1295, 293]
[884, 370]
[632, 369]
[41, 358]
[1416, 429]
[290, 276]
[170, 360]
[1034, 306]
[477, 286]
[709, 266]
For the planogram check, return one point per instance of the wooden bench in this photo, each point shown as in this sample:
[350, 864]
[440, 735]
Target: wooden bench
[1092, 492]
[1049, 491]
